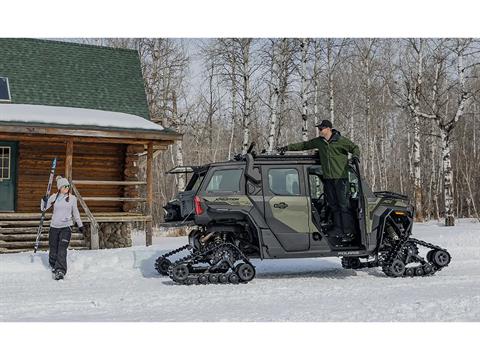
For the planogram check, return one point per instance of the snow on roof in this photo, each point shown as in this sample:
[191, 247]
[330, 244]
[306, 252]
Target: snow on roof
[68, 116]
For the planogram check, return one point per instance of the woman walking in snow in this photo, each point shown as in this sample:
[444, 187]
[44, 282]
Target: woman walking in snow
[64, 211]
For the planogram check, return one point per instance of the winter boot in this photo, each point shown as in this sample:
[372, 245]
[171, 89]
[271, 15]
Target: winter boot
[59, 275]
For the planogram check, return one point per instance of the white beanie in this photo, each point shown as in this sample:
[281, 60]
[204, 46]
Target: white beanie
[61, 181]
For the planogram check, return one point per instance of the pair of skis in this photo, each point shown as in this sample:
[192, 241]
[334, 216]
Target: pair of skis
[47, 194]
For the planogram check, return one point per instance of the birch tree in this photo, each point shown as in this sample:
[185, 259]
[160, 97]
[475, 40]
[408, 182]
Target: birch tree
[413, 83]
[445, 113]
[273, 86]
[316, 83]
[333, 52]
[366, 49]
[245, 72]
[304, 44]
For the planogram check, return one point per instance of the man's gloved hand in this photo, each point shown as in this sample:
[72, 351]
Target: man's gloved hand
[82, 230]
[45, 199]
[282, 149]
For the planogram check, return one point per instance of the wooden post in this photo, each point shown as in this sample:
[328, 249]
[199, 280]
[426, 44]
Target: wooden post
[69, 160]
[149, 207]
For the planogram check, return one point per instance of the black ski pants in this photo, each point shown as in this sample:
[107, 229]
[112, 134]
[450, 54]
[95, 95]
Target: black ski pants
[336, 191]
[58, 240]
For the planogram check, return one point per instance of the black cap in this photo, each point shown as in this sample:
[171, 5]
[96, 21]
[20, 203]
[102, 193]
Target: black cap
[324, 124]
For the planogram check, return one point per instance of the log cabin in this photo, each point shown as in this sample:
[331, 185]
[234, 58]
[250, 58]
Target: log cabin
[85, 106]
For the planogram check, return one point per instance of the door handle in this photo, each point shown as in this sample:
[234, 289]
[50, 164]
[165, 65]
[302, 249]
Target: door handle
[281, 205]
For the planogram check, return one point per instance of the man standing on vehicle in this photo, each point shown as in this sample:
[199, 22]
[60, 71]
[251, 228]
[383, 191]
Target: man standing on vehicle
[333, 149]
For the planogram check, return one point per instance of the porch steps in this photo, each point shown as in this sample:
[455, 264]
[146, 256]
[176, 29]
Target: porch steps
[18, 232]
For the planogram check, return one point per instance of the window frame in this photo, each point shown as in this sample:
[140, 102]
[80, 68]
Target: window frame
[8, 90]
[9, 167]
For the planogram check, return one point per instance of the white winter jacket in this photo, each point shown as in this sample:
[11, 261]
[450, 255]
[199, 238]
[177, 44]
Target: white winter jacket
[63, 212]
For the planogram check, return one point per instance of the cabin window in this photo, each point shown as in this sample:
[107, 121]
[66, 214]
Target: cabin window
[4, 89]
[5, 154]
[225, 181]
[284, 182]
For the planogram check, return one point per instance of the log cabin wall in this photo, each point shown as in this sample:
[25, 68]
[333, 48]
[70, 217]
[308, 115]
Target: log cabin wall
[91, 161]
[131, 173]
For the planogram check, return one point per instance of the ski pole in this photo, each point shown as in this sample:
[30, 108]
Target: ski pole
[47, 194]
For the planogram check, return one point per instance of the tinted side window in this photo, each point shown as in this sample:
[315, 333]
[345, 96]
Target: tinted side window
[284, 181]
[225, 181]
[198, 182]
[195, 181]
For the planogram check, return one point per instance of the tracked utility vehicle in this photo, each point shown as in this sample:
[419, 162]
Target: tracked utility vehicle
[274, 207]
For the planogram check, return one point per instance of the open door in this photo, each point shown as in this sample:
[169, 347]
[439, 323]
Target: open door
[8, 175]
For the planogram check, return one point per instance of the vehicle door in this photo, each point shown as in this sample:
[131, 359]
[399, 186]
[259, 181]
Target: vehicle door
[8, 170]
[287, 207]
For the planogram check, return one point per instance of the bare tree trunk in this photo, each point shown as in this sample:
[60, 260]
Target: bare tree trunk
[246, 94]
[246, 119]
[466, 172]
[471, 198]
[431, 187]
[316, 79]
[351, 122]
[179, 161]
[284, 73]
[416, 139]
[474, 145]
[274, 100]
[402, 191]
[370, 137]
[446, 130]
[410, 163]
[211, 106]
[330, 65]
[234, 104]
[447, 179]
[303, 72]
[178, 145]
[414, 92]
[417, 171]
[273, 121]
[232, 133]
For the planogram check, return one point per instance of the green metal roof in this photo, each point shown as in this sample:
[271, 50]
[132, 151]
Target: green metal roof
[44, 72]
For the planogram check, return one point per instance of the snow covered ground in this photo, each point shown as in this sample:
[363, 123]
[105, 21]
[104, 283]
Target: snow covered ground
[122, 285]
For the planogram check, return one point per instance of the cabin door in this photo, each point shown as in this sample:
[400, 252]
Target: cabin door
[8, 174]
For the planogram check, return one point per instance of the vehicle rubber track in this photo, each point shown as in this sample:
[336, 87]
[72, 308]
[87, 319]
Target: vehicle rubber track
[405, 253]
[222, 264]
[163, 263]
[403, 260]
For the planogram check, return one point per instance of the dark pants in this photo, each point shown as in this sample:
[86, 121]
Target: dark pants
[58, 240]
[336, 191]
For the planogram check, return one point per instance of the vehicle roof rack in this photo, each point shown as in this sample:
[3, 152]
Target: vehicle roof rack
[185, 169]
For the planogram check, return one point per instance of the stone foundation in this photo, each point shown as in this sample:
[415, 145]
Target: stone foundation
[112, 235]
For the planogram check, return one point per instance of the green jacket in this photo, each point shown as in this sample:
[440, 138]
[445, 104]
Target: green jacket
[333, 153]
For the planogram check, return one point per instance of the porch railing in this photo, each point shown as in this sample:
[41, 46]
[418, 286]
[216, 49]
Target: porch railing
[94, 241]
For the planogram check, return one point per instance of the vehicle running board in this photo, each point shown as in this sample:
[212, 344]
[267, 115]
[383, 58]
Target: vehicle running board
[346, 247]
